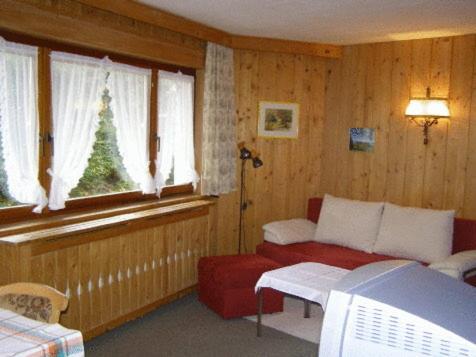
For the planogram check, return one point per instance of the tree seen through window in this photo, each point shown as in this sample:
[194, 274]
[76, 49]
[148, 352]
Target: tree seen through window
[5, 199]
[105, 172]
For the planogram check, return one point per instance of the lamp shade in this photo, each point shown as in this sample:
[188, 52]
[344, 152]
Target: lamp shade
[428, 107]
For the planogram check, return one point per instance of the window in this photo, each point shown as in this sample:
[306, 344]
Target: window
[176, 163]
[19, 126]
[105, 172]
[102, 153]
[77, 85]
[98, 123]
[6, 200]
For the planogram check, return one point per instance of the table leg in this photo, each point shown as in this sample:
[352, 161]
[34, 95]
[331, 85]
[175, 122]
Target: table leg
[260, 311]
[307, 309]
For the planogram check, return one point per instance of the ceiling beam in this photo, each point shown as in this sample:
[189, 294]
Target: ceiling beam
[29, 20]
[285, 46]
[153, 16]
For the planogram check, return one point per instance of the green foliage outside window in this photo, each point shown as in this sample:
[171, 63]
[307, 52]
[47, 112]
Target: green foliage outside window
[105, 172]
[5, 199]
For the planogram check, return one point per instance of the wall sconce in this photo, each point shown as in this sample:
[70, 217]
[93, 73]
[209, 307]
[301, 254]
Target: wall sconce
[245, 155]
[430, 109]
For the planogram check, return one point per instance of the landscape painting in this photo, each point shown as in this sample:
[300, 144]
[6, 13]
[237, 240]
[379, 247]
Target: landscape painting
[278, 120]
[361, 139]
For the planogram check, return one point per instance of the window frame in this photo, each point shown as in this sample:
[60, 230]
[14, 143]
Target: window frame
[24, 212]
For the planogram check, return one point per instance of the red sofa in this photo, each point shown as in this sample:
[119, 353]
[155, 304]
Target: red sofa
[464, 239]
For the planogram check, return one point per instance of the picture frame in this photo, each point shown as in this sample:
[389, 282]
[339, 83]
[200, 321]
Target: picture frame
[361, 139]
[278, 120]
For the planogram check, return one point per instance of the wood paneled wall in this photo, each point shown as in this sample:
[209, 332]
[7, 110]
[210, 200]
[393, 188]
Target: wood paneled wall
[368, 87]
[290, 174]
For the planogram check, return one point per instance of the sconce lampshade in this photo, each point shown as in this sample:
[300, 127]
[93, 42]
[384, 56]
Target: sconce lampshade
[428, 107]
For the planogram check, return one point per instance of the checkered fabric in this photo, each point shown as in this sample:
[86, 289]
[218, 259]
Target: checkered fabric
[20, 336]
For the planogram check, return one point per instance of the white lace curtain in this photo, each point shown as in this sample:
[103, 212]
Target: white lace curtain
[19, 122]
[77, 83]
[219, 125]
[176, 130]
[129, 89]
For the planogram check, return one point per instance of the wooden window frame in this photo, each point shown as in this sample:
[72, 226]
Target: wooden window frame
[24, 212]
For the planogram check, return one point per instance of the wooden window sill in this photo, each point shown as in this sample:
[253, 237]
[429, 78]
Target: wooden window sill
[69, 224]
[23, 213]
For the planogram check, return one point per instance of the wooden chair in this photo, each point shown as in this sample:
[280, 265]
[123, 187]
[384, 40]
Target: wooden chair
[35, 301]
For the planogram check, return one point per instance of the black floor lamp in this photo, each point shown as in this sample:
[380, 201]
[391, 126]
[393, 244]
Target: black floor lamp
[245, 155]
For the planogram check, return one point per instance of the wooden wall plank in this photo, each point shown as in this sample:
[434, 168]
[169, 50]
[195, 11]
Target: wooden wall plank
[440, 69]
[398, 123]
[378, 115]
[351, 93]
[316, 134]
[359, 116]
[333, 114]
[416, 153]
[85, 268]
[267, 91]
[281, 153]
[297, 176]
[459, 124]
[246, 92]
[469, 208]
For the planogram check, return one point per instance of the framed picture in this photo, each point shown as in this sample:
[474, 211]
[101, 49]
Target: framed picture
[278, 120]
[361, 139]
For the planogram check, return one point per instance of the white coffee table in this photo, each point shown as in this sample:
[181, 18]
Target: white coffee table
[311, 282]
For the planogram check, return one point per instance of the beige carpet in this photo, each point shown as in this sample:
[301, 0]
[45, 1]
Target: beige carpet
[292, 322]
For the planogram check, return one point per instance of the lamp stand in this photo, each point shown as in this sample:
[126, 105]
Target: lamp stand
[243, 205]
[252, 156]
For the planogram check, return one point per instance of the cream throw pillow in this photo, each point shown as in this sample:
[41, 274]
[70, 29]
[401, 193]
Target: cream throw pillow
[349, 223]
[290, 231]
[415, 233]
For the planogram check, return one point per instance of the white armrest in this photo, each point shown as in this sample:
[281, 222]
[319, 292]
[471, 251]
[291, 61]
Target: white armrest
[290, 231]
[457, 264]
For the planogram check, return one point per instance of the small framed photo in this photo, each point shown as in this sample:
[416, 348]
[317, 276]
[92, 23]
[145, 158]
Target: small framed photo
[278, 120]
[361, 139]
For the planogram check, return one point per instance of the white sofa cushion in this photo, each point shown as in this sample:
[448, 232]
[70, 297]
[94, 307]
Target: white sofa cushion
[349, 223]
[289, 231]
[415, 233]
[457, 265]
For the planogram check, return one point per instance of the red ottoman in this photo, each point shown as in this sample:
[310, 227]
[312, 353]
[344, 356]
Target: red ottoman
[226, 285]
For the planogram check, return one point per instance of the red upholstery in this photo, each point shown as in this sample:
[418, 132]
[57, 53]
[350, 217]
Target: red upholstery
[464, 235]
[226, 285]
[329, 254]
[314, 209]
